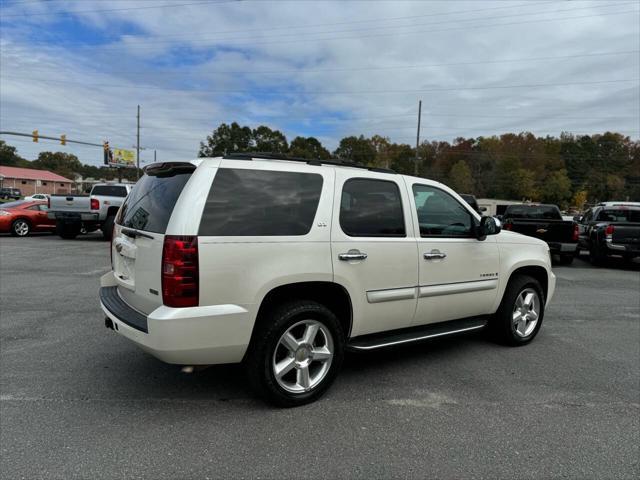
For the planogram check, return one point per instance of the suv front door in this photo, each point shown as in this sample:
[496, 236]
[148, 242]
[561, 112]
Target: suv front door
[458, 274]
[373, 250]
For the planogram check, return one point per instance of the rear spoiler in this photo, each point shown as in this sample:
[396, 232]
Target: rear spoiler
[168, 169]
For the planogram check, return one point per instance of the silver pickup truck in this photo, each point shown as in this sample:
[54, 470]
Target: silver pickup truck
[76, 213]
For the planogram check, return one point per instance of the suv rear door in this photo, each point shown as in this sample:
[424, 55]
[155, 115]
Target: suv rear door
[139, 232]
[373, 249]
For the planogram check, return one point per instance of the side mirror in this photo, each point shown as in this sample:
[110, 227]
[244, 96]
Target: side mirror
[488, 226]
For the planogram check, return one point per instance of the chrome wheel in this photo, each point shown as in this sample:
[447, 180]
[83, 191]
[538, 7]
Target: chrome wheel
[21, 228]
[303, 356]
[526, 312]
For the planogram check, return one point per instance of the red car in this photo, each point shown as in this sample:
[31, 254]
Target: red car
[23, 217]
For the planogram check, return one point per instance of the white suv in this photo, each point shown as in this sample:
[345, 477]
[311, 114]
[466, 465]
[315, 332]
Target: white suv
[283, 263]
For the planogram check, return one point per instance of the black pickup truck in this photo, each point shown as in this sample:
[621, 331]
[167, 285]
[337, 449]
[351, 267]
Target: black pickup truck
[610, 229]
[544, 222]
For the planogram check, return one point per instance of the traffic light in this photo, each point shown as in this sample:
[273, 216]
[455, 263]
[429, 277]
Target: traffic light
[34, 135]
[108, 154]
[63, 139]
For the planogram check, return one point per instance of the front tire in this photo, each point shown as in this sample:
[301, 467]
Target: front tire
[519, 318]
[68, 231]
[20, 228]
[296, 353]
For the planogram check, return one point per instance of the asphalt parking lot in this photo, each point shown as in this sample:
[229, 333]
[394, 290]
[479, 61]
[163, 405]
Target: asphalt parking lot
[78, 401]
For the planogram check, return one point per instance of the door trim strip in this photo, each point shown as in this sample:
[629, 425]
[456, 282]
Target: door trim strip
[460, 287]
[390, 295]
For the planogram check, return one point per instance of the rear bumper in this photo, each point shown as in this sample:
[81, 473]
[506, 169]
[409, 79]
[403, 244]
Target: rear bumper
[563, 248]
[74, 217]
[206, 335]
[622, 249]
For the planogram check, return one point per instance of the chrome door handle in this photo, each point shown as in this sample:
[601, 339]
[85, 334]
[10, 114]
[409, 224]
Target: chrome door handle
[434, 254]
[352, 255]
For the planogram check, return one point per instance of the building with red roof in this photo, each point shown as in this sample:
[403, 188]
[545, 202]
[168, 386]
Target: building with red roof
[30, 181]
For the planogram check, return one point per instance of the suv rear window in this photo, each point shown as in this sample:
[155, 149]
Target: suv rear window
[533, 211]
[109, 190]
[151, 201]
[619, 215]
[260, 202]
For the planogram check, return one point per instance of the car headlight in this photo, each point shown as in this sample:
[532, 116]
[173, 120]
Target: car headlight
[4, 213]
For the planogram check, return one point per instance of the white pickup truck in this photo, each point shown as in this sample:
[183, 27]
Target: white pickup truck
[75, 213]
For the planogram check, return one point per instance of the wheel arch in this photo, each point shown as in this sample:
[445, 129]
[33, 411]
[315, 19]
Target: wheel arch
[330, 294]
[535, 271]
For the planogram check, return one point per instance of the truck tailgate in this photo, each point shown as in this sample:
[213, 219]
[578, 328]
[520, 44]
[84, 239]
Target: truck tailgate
[627, 234]
[70, 203]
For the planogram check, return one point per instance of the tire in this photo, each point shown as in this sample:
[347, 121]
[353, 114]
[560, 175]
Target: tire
[504, 328]
[566, 259]
[596, 257]
[20, 228]
[68, 231]
[270, 348]
[107, 227]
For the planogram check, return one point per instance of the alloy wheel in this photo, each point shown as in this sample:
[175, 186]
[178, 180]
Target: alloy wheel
[21, 228]
[526, 312]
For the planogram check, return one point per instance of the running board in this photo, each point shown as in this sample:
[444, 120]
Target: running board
[414, 334]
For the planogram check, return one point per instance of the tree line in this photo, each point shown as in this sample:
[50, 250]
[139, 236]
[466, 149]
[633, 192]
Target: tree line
[569, 170]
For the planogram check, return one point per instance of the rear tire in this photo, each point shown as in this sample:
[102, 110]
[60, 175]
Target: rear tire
[107, 227]
[519, 317]
[20, 228]
[596, 257]
[68, 231]
[295, 354]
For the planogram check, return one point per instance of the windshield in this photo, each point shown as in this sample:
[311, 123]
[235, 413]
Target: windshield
[150, 204]
[533, 211]
[13, 204]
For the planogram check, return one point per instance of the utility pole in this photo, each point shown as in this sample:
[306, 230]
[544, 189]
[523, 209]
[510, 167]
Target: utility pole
[415, 165]
[154, 156]
[138, 145]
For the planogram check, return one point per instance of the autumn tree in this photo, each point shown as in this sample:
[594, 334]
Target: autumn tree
[460, 178]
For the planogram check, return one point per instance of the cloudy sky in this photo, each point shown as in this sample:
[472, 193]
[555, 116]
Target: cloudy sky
[314, 68]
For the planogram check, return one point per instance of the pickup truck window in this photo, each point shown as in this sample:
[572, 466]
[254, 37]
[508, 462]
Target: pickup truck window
[371, 208]
[259, 202]
[537, 212]
[439, 214]
[619, 215]
[109, 190]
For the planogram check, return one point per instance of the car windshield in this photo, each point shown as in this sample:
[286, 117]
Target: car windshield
[532, 211]
[13, 204]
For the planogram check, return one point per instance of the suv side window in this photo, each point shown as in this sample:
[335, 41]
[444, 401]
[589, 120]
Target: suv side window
[441, 215]
[587, 216]
[371, 208]
[261, 202]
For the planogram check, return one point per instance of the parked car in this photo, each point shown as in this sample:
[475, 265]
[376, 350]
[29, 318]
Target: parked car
[610, 229]
[471, 200]
[75, 214]
[10, 193]
[43, 197]
[22, 217]
[546, 223]
[282, 264]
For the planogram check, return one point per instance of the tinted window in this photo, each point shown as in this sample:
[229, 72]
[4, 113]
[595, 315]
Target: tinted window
[151, 201]
[109, 191]
[259, 202]
[539, 212]
[619, 215]
[371, 208]
[439, 214]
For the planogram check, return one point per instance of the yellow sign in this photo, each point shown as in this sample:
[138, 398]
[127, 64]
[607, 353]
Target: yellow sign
[123, 157]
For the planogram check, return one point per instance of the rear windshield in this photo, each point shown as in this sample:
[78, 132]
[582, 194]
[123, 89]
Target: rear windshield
[619, 215]
[109, 191]
[259, 202]
[533, 211]
[150, 203]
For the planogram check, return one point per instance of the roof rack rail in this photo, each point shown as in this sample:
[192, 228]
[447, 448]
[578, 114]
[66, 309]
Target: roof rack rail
[310, 161]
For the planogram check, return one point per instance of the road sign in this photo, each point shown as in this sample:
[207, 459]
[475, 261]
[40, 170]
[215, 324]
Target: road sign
[122, 157]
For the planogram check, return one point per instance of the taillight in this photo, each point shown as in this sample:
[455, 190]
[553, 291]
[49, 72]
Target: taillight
[180, 278]
[576, 233]
[507, 226]
[95, 204]
[609, 230]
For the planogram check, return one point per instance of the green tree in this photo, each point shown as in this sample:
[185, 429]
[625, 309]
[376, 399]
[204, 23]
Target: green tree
[556, 188]
[356, 149]
[460, 178]
[227, 139]
[309, 147]
[9, 156]
[65, 164]
[267, 140]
